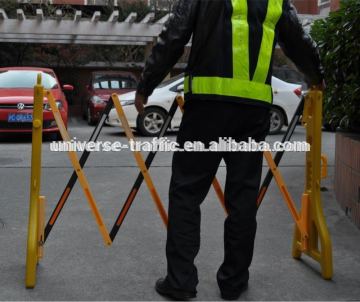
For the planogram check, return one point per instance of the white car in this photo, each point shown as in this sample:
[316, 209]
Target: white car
[286, 99]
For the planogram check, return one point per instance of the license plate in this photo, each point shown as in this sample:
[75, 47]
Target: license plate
[20, 117]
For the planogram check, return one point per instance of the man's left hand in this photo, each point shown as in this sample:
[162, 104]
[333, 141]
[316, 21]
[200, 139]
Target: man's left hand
[140, 101]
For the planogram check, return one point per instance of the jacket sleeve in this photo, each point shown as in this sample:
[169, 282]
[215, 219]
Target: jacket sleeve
[299, 46]
[176, 34]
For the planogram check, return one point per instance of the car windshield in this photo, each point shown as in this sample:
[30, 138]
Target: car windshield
[114, 82]
[26, 79]
[170, 81]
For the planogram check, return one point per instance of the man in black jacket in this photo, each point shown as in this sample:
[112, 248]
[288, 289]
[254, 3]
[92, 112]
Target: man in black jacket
[228, 94]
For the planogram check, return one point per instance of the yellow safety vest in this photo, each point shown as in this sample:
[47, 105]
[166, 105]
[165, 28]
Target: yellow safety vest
[241, 85]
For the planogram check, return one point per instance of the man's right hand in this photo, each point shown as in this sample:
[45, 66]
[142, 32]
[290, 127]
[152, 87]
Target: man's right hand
[140, 101]
[320, 87]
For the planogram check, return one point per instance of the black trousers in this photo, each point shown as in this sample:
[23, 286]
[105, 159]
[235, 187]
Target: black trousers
[192, 175]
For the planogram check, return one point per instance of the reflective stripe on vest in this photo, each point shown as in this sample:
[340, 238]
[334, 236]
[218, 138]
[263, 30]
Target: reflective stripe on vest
[241, 85]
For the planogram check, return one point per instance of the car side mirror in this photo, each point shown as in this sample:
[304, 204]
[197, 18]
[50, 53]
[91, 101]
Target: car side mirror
[68, 87]
[180, 88]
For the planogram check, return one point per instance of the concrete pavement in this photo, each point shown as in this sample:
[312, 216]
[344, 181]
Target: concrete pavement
[77, 266]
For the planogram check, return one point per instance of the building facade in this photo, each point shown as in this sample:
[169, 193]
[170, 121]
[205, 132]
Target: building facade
[315, 7]
[335, 5]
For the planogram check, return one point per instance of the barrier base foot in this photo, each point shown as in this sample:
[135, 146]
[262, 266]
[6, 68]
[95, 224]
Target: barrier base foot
[296, 252]
[35, 250]
[322, 255]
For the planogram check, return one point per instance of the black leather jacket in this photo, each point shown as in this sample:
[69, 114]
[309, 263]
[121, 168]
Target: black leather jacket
[209, 23]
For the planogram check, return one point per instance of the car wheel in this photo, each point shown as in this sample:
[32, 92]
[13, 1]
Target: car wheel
[89, 118]
[151, 122]
[277, 120]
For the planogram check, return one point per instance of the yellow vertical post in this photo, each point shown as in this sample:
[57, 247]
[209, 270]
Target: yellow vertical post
[318, 231]
[41, 227]
[32, 240]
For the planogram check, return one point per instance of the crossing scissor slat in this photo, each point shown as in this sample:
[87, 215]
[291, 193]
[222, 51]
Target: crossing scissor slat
[80, 173]
[140, 161]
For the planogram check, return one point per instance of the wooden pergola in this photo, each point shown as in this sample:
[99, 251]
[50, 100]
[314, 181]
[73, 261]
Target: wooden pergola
[78, 30]
[61, 30]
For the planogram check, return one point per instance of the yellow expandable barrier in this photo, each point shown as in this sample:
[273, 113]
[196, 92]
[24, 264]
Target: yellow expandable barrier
[318, 231]
[310, 226]
[36, 211]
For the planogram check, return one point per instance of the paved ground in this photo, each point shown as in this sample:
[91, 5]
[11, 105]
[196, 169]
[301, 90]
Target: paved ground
[78, 267]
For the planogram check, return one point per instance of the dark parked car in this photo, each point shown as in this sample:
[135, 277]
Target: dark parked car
[103, 84]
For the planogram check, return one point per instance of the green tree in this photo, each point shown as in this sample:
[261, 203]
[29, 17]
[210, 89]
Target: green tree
[338, 38]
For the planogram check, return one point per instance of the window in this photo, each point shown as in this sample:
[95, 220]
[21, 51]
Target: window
[114, 82]
[171, 80]
[104, 85]
[26, 79]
